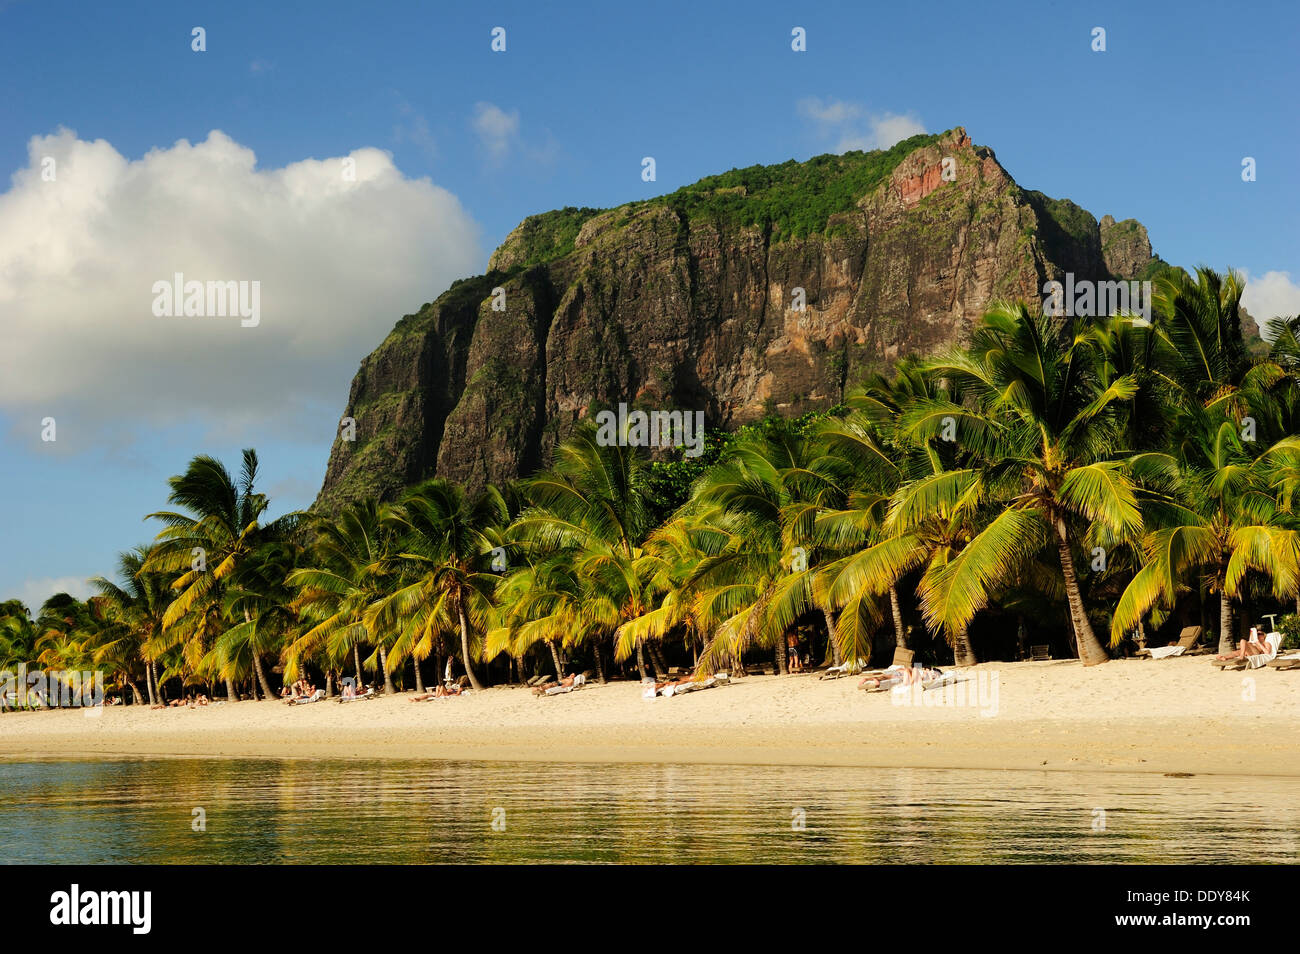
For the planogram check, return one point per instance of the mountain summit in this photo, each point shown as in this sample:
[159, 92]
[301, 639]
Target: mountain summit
[765, 288]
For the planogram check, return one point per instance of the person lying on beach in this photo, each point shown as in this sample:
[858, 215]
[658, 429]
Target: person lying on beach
[1255, 646]
[899, 676]
[349, 691]
[661, 686]
[566, 681]
[439, 693]
[307, 691]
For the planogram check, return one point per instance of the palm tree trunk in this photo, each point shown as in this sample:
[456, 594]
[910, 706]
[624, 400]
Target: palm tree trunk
[640, 661]
[464, 648]
[157, 689]
[900, 634]
[963, 653]
[356, 661]
[555, 658]
[832, 637]
[261, 677]
[388, 676]
[419, 679]
[148, 682]
[135, 693]
[600, 664]
[1226, 641]
[782, 662]
[231, 694]
[657, 658]
[1090, 650]
[329, 683]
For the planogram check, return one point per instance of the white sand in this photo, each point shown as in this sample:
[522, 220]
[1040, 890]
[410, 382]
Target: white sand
[1175, 715]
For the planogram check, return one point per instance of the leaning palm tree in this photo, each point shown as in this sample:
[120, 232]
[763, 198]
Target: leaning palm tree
[445, 553]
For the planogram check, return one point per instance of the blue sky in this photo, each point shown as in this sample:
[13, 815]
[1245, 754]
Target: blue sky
[1154, 128]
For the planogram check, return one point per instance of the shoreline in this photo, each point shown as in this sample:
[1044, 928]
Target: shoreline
[1127, 716]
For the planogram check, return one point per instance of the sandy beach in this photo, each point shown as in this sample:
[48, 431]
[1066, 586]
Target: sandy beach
[1175, 715]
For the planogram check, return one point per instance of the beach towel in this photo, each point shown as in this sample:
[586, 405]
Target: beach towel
[1272, 642]
[1164, 652]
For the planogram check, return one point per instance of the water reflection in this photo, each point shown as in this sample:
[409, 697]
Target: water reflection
[301, 811]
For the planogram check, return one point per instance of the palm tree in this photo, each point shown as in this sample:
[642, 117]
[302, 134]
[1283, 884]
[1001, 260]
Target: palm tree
[259, 602]
[765, 497]
[541, 602]
[1226, 520]
[446, 545]
[1046, 417]
[593, 504]
[202, 546]
[873, 460]
[136, 606]
[352, 568]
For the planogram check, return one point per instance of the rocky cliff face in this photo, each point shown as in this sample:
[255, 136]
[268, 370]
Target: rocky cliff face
[1125, 246]
[770, 288]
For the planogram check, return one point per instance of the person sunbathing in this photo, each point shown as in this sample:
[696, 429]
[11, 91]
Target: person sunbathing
[440, 693]
[563, 683]
[1255, 646]
[899, 676]
[661, 686]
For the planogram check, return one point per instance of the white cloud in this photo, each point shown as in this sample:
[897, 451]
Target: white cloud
[1271, 295]
[338, 261]
[34, 592]
[496, 128]
[853, 127]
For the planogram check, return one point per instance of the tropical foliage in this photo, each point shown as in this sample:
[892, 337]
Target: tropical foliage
[1087, 484]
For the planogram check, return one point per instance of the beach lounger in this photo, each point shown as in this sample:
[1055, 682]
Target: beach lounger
[946, 678]
[697, 685]
[847, 668]
[578, 682]
[910, 676]
[1039, 653]
[902, 660]
[1289, 661]
[316, 696]
[1186, 645]
[1272, 642]
[368, 694]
